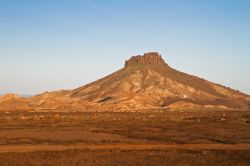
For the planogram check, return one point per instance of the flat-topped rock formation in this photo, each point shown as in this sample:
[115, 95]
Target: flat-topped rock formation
[150, 58]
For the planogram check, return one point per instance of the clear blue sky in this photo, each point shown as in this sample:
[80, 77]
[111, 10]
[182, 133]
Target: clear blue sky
[64, 44]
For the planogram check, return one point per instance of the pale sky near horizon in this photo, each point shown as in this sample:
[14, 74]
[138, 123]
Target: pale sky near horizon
[62, 44]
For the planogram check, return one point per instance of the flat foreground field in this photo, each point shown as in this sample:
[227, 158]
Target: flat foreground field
[153, 137]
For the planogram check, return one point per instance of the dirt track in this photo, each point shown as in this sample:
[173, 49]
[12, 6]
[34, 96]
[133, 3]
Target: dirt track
[32, 148]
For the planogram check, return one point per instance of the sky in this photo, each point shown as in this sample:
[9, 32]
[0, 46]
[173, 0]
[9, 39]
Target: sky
[63, 44]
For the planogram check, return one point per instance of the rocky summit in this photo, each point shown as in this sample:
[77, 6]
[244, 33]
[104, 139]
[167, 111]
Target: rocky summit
[146, 82]
[150, 58]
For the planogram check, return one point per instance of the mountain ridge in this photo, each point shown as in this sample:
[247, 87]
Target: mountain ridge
[145, 82]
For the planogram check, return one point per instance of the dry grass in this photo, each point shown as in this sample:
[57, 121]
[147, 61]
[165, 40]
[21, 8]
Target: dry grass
[152, 127]
[127, 157]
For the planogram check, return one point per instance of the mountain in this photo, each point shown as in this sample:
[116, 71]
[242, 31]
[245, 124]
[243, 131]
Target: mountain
[12, 102]
[145, 82]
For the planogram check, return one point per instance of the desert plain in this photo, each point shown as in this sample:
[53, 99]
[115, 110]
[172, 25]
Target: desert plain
[153, 137]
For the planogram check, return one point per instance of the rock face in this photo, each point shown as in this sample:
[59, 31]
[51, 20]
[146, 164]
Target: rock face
[150, 58]
[146, 82]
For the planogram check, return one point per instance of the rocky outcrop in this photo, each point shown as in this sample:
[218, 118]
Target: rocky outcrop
[150, 58]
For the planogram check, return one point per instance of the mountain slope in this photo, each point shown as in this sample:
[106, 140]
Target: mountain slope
[12, 102]
[145, 82]
[147, 85]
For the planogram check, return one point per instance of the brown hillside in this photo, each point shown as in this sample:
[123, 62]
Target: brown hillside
[12, 102]
[145, 82]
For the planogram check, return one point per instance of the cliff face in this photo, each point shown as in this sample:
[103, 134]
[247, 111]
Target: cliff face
[150, 58]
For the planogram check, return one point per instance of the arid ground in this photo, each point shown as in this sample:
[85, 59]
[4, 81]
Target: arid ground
[153, 137]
